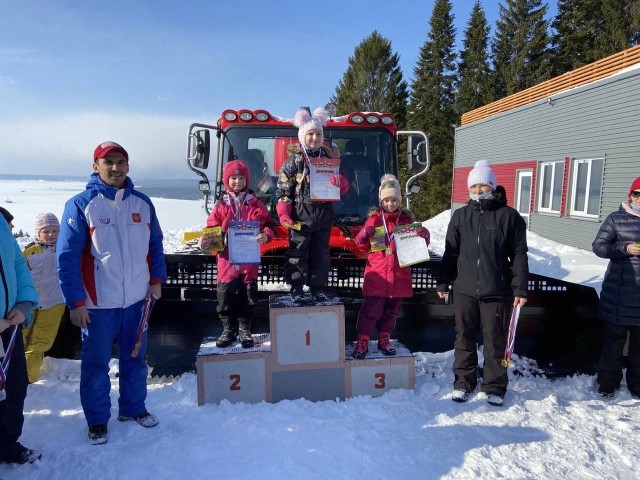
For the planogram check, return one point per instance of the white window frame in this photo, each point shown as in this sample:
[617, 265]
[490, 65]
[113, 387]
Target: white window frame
[520, 174]
[574, 188]
[544, 165]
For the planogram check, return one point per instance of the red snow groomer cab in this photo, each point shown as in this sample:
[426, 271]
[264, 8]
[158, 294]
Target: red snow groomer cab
[367, 143]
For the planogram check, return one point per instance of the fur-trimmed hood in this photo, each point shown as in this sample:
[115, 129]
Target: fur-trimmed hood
[294, 149]
[403, 211]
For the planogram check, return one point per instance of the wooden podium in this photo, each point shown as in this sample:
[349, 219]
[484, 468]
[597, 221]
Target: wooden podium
[304, 356]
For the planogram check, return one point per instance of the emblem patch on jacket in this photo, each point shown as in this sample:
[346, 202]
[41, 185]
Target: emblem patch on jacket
[136, 217]
[104, 220]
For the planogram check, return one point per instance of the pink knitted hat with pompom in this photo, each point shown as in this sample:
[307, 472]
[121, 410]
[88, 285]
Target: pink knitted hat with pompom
[389, 187]
[306, 122]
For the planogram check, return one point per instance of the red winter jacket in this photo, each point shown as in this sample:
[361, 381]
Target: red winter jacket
[252, 209]
[383, 276]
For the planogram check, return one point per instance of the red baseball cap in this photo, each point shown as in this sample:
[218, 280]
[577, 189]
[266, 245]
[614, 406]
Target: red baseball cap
[106, 147]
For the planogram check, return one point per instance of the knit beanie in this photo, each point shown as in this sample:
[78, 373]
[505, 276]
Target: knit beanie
[7, 216]
[235, 167]
[634, 186]
[389, 187]
[481, 173]
[45, 220]
[306, 122]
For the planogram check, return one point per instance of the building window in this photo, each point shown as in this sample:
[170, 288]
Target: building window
[550, 198]
[586, 187]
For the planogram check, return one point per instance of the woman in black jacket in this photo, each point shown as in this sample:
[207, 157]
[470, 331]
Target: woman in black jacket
[485, 259]
[619, 240]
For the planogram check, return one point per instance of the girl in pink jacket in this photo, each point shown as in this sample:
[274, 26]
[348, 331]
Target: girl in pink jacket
[237, 284]
[385, 282]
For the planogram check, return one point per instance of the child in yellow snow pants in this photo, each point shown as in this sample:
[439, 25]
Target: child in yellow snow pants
[41, 257]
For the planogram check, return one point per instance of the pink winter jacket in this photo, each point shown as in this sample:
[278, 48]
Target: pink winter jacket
[252, 209]
[383, 276]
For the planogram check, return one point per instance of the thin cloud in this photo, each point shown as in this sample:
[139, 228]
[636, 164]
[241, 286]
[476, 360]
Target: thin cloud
[64, 144]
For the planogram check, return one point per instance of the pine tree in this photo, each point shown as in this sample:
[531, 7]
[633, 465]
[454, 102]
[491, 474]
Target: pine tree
[432, 107]
[620, 27]
[373, 81]
[588, 30]
[474, 87]
[521, 54]
[575, 26]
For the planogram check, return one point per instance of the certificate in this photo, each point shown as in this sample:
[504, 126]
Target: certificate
[410, 248]
[243, 246]
[320, 172]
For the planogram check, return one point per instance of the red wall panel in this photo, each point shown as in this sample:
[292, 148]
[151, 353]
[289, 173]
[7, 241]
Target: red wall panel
[505, 176]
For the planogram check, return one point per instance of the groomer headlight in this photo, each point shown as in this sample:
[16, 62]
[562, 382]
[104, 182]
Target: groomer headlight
[357, 118]
[373, 119]
[262, 116]
[387, 120]
[246, 116]
[230, 116]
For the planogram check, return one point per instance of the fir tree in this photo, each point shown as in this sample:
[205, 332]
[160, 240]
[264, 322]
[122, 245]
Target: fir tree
[373, 81]
[474, 87]
[575, 26]
[588, 30]
[432, 107]
[521, 54]
[620, 27]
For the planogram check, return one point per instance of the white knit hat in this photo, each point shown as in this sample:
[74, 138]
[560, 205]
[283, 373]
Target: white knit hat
[306, 122]
[45, 220]
[389, 187]
[481, 173]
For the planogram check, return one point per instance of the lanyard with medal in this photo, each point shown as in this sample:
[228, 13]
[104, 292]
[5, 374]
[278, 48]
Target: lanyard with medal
[306, 171]
[235, 204]
[389, 236]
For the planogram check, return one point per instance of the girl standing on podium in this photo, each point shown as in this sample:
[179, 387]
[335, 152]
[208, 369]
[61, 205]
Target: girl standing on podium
[237, 284]
[385, 282]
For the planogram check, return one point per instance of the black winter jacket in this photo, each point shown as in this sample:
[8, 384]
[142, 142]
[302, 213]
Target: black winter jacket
[486, 252]
[293, 186]
[620, 296]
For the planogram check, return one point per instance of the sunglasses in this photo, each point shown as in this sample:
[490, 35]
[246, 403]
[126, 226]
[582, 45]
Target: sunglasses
[635, 194]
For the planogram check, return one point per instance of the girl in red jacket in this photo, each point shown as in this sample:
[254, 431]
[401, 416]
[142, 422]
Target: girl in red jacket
[385, 282]
[237, 284]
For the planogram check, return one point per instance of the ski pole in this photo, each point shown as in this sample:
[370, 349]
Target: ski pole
[511, 339]
[4, 367]
[144, 323]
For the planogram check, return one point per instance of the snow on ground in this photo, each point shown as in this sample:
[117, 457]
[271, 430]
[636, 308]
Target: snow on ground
[548, 429]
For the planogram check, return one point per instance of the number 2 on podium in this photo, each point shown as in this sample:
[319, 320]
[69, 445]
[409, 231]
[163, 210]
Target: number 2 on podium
[235, 382]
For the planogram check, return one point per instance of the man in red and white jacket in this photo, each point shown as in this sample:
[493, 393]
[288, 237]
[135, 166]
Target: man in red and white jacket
[110, 259]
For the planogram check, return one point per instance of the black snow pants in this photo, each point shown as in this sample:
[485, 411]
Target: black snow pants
[236, 300]
[308, 254]
[492, 318]
[611, 361]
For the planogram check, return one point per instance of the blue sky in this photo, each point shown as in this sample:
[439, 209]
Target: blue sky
[74, 74]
